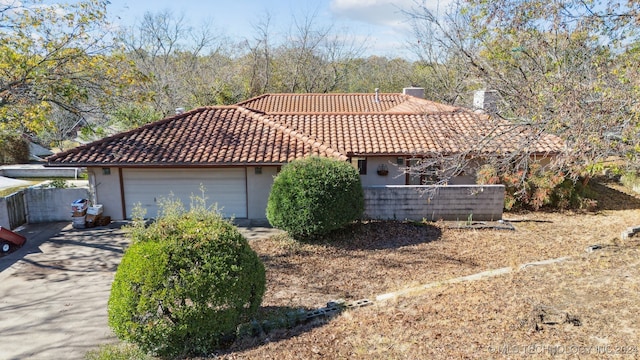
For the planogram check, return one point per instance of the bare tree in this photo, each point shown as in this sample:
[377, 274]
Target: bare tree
[177, 58]
[260, 57]
[310, 58]
[560, 67]
[315, 58]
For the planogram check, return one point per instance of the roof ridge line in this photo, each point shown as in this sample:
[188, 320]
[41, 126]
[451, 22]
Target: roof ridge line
[251, 99]
[339, 113]
[131, 131]
[330, 94]
[314, 143]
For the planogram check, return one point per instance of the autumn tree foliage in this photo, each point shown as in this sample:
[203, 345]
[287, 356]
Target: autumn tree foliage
[57, 58]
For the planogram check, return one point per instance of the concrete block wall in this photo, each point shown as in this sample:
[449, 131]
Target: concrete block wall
[449, 202]
[48, 205]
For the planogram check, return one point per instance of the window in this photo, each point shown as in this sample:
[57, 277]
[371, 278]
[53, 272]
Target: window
[359, 163]
[362, 166]
[422, 174]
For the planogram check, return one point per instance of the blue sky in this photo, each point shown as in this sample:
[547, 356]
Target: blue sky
[377, 23]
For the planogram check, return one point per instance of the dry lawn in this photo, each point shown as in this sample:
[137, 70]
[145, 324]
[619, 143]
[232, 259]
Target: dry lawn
[585, 307]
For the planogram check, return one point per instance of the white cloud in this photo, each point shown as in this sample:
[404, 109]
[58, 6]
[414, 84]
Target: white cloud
[386, 21]
[381, 12]
[375, 12]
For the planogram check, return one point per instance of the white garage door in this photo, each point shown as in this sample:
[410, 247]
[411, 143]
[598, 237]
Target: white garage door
[224, 186]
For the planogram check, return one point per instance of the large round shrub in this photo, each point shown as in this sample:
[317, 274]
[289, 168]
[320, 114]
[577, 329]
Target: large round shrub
[314, 196]
[185, 284]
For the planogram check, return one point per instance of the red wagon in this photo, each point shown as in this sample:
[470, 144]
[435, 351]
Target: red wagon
[9, 239]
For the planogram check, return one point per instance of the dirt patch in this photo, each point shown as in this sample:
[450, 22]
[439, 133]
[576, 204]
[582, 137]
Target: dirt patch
[584, 308]
[587, 306]
[386, 256]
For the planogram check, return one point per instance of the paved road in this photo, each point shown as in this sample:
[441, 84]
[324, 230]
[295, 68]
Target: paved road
[54, 290]
[6, 182]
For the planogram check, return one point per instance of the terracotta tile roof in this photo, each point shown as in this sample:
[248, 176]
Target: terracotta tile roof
[266, 130]
[415, 134]
[341, 103]
[207, 137]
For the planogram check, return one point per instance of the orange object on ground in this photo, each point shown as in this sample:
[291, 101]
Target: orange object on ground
[9, 238]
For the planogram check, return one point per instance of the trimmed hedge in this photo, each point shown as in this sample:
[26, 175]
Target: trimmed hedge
[314, 196]
[185, 284]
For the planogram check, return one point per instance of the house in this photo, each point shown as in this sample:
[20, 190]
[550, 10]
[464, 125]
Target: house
[38, 152]
[234, 152]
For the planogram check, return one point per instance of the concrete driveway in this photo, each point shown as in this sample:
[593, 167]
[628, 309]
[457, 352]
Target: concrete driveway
[54, 290]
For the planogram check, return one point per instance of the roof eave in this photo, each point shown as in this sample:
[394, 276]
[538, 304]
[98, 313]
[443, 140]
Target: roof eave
[163, 164]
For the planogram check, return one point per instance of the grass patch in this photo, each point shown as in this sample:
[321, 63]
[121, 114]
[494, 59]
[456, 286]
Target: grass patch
[120, 351]
[8, 191]
[631, 181]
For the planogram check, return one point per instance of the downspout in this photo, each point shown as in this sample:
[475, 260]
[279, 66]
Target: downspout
[246, 190]
[122, 199]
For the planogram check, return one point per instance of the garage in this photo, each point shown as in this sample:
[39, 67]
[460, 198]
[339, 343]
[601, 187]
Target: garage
[225, 186]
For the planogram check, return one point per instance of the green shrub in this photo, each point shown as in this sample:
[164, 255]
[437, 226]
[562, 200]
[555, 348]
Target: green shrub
[185, 284]
[538, 188]
[59, 184]
[314, 196]
[14, 149]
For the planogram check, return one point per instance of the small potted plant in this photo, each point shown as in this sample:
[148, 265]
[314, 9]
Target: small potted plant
[382, 170]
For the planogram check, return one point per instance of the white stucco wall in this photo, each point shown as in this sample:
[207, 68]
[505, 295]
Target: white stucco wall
[396, 175]
[105, 190]
[258, 189]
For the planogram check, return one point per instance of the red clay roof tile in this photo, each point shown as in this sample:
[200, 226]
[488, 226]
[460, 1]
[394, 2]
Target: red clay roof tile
[341, 103]
[277, 128]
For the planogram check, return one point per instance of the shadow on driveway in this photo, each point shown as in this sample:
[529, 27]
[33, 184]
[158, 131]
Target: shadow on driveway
[55, 291]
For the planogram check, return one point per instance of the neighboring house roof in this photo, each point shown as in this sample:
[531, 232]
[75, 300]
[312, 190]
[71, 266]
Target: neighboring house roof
[277, 128]
[38, 152]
